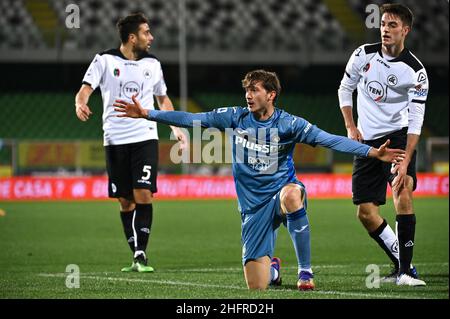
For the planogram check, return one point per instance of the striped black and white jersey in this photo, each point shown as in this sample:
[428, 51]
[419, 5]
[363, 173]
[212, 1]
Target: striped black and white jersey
[120, 78]
[391, 91]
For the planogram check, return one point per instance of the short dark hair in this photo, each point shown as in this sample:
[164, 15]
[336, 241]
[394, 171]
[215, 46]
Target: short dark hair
[399, 10]
[130, 24]
[270, 81]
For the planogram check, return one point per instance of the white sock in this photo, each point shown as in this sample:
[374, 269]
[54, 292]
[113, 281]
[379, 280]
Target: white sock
[390, 240]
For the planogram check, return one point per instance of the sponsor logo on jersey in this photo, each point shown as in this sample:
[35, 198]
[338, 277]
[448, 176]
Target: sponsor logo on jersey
[375, 90]
[131, 88]
[252, 146]
[420, 91]
[263, 148]
[392, 80]
[383, 63]
[258, 160]
[259, 164]
[367, 67]
[422, 77]
[116, 72]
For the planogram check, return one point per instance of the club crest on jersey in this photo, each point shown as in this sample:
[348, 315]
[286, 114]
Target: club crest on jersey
[375, 91]
[367, 67]
[147, 74]
[116, 72]
[392, 80]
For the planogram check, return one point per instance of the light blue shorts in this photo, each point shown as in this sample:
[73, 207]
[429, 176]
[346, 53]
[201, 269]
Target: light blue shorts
[259, 229]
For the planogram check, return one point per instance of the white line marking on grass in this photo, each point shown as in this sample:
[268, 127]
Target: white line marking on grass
[192, 284]
[161, 282]
[239, 269]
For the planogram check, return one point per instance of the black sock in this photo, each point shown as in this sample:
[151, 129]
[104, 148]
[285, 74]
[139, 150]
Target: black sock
[387, 241]
[127, 222]
[406, 227]
[142, 225]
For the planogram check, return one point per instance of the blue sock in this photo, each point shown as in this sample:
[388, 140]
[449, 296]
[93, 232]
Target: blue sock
[298, 227]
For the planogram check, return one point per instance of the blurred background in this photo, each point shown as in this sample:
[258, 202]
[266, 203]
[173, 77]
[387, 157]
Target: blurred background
[206, 47]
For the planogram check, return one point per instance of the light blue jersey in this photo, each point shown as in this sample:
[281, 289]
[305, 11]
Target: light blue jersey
[262, 150]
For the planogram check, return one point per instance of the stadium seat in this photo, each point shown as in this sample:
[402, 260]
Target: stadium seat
[221, 25]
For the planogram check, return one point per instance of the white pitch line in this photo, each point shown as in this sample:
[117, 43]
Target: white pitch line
[161, 282]
[191, 284]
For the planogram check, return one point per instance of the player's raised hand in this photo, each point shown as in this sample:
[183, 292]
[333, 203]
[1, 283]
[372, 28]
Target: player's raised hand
[83, 111]
[390, 155]
[134, 110]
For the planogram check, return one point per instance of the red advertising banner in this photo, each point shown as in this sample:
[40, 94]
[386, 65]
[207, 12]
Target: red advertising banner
[176, 187]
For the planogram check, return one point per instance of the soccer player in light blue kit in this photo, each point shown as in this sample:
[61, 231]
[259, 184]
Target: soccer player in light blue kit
[268, 190]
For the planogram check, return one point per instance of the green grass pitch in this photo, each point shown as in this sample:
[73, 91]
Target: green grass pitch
[195, 249]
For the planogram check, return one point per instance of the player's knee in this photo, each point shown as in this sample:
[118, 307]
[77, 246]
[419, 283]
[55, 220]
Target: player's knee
[292, 199]
[143, 196]
[365, 214]
[403, 201]
[126, 205]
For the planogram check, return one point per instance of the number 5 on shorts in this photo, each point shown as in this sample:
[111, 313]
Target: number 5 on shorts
[147, 171]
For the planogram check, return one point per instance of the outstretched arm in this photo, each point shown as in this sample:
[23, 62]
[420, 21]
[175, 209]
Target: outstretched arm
[343, 144]
[165, 104]
[176, 118]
